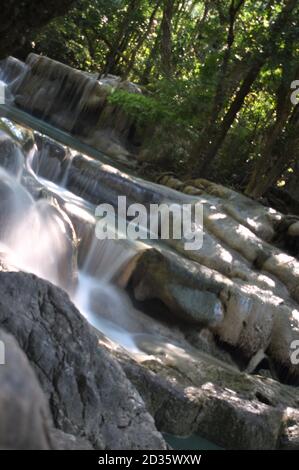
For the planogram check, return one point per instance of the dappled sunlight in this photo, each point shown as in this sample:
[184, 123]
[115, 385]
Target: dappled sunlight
[295, 315]
[267, 280]
[283, 258]
[218, 216]
[245, 233]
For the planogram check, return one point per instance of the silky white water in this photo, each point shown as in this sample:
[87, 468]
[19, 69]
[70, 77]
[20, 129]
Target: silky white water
[36, 237]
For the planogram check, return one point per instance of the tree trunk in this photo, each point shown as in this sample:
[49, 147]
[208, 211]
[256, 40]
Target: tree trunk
[142, 39]
[220, 91]
[122, 39]
[213, 146]
[275, 157]
[205, 154]
[166, 39]
[154, 53]
[271, 163]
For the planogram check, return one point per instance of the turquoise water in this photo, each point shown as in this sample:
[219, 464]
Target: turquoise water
[190, 443]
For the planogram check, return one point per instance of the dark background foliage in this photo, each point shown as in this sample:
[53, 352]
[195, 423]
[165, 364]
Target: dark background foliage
[216, 76]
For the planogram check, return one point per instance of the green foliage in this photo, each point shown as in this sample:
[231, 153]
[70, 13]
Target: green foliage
[125, 37]
[144, 109]
[171, 103]
[166, 122]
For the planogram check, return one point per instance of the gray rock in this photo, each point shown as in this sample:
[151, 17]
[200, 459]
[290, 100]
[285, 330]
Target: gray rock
[24, 413]
[88, 393]
[289, 439]
[189, 392]
[63, 441]
[160, 276]
[293, 230]
[11, 157]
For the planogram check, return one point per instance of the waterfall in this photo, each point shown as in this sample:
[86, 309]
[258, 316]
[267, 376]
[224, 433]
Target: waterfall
[73, 101]
[34, 234]
[12, 72]
[37, 235]
[56, 229]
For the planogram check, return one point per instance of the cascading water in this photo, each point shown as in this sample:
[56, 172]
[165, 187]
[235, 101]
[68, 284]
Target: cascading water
[34, 233]
[12, 72]
[40, 244]
[97, 288]
[14, 163]
[99, 297]
[36, 236]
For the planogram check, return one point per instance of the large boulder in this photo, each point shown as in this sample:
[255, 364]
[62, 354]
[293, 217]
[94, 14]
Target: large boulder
[88, 393]
[26, 422]
[248, 319]
[186, 292]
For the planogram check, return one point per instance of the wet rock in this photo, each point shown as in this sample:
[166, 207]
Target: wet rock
[11, 157]
[204, 340]
[88, 393]
[252, 215]
[237, 284]
[243, 317]
[23, 137]
[98, 182]
[26, 421]
[110, 145]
